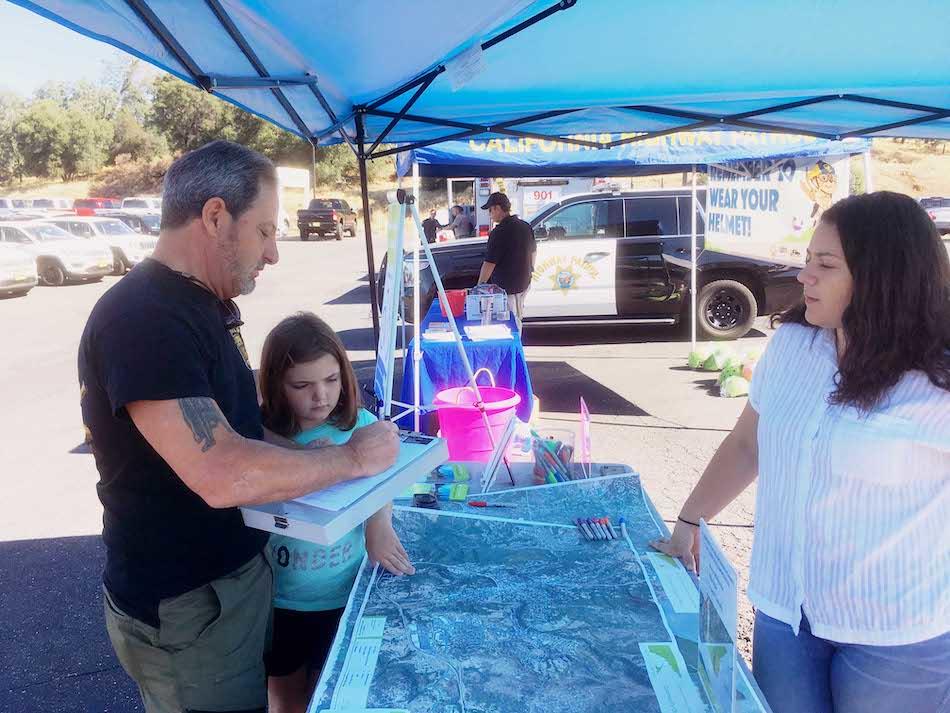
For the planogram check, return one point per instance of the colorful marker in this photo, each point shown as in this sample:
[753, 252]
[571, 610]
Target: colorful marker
[601, 535]
[580, 526]
[483, 504]
[623, 528]
[610, 527]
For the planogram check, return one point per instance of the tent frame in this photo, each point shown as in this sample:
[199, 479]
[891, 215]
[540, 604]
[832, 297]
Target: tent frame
[749, 120]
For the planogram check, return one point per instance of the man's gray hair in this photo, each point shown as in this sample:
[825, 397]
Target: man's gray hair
[220, 169]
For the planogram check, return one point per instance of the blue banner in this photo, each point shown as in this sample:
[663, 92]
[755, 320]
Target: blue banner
[522, 157]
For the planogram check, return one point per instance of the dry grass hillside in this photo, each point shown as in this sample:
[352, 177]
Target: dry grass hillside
[914, 167]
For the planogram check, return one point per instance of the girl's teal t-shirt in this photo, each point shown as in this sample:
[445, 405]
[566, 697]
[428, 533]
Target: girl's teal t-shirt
[312, 577]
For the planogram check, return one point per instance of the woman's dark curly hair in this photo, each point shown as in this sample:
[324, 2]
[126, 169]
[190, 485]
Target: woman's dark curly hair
[899, 316]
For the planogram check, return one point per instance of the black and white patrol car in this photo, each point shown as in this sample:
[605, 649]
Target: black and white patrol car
[623, 258]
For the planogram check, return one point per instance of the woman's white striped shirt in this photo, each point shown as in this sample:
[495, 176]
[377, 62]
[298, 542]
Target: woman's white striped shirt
[852, 521]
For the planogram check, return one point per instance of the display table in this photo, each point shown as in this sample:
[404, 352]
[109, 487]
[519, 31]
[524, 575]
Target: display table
[441, 366]
[511, 609]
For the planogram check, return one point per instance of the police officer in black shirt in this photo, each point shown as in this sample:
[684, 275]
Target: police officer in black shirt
[170, 403]
[509, 257]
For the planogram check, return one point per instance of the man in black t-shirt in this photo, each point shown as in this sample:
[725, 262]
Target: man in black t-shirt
[170, 404]
[509, 257]
[430, 227]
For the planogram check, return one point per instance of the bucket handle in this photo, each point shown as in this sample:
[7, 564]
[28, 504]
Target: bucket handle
[491, 378]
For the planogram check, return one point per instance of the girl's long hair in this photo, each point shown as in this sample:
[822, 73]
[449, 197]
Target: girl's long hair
[899, 316]
[297, 339]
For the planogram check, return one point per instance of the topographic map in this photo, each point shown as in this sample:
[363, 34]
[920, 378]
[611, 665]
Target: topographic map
[514, 611]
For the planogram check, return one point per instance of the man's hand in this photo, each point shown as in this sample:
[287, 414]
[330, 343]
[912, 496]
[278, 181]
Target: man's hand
[383, 545]
[373, 448]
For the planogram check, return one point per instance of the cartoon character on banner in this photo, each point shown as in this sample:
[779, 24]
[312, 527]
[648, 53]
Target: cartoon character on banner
[819, 186]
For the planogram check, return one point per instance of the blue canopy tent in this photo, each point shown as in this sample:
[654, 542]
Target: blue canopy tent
[373, 71]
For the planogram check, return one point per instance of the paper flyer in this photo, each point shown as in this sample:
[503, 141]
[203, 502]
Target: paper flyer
[718, 587]
[676, 583]
[674, 689]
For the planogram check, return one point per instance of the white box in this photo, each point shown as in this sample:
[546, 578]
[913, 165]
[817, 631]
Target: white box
[313, 524]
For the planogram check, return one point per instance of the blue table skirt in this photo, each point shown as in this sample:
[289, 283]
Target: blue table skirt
[441, 366]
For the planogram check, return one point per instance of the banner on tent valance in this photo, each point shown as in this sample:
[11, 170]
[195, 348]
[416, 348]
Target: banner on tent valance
[769, 208]
[527, 156]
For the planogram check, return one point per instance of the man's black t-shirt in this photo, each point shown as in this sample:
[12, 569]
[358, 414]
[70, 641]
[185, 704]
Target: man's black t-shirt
[511, 246]
[157, 336]
[430, 227]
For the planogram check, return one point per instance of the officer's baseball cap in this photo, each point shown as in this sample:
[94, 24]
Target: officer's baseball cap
[499, 199]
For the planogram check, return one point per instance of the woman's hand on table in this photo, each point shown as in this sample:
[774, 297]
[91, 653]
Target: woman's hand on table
[384, 548]
[683, 544]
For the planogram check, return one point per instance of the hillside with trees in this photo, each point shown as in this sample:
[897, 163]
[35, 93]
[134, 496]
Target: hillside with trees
[116, 136]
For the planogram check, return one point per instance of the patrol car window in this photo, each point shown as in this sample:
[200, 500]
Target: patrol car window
[602, 219]
[650, 216]
[686, 227]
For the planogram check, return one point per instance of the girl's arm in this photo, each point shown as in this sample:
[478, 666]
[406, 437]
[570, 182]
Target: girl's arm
[383, 545]
[734, 466]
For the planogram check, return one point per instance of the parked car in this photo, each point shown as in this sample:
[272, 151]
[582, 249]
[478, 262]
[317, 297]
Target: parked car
[141, 202]
[144, 222]
[59, 256]
[92, 206]
[52, 206]
[17, 270]
[128, 247]
[623, 258]
[326, 216]
[14, 204]
[939, 211]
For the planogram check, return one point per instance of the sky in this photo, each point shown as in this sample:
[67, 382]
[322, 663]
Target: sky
[34, 50]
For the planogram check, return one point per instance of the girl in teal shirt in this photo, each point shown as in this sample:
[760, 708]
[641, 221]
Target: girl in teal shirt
[310, 395]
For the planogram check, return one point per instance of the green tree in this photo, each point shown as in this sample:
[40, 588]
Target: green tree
[39, 136]
[86, 144]
[94, 99]
[134, 140]
[186, 116]
[130, 79]
[11, 161]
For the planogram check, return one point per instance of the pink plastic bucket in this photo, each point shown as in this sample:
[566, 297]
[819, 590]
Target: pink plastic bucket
[461, 421]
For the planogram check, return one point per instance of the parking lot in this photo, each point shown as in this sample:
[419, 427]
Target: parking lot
[648, 411]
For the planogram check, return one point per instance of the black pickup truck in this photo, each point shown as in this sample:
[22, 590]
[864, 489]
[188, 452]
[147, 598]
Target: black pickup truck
[623, 258]
[326, 217]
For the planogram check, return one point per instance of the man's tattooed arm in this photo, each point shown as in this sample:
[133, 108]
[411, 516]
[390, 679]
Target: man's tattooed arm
[203, 416]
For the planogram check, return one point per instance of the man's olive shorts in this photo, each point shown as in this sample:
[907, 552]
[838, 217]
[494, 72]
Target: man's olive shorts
[208, 652]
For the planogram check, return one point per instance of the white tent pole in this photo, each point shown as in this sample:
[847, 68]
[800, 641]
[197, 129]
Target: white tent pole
[417, 317]
[692, 270]
[868, 181]
[416, 181]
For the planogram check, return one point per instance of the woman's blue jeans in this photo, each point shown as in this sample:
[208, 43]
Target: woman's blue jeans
[805, 674]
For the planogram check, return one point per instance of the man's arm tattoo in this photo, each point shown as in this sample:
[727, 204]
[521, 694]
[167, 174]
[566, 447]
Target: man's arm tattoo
[202, 416]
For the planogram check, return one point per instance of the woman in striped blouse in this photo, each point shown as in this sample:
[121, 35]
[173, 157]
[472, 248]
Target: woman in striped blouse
[848, 431]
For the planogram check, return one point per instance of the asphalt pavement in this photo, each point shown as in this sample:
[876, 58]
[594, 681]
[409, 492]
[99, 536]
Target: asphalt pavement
[647, 410]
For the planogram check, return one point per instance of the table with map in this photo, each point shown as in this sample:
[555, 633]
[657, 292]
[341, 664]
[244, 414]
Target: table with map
[512, 609]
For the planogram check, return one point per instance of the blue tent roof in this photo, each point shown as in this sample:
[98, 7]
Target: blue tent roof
[560, 68]
[514, 158]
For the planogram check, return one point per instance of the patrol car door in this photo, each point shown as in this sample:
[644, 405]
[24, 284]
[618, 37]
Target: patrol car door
[644, 284]
[575, 268]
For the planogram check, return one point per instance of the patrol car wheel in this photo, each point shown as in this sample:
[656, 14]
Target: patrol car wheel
[725, 309]
[339, 230]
